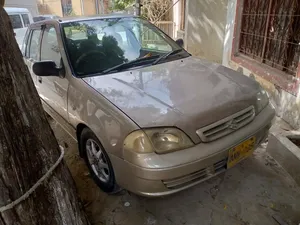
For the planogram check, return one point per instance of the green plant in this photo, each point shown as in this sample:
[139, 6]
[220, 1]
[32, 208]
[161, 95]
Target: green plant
[71, 13]
[122, 4]
[155, 10]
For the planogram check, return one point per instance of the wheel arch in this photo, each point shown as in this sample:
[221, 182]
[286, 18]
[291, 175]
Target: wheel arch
[79, 128]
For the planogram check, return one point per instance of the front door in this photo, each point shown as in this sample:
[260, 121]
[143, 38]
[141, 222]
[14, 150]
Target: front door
[53, 89]
[31, 51]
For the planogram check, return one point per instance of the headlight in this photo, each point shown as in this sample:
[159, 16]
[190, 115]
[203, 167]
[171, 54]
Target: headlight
[159, 140]
[262, 99]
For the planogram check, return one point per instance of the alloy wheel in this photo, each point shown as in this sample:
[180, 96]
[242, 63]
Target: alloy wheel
[97, 160]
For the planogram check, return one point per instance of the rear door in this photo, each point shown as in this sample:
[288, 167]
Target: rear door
[31, 50]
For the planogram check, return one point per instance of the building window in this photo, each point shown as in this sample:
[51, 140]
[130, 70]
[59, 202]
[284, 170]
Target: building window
[182, 14]
[270, 33]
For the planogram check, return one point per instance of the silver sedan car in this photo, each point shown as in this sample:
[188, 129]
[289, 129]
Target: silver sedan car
[148, 116]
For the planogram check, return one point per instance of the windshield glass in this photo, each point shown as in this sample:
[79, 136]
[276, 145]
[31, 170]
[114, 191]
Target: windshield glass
[96, 45]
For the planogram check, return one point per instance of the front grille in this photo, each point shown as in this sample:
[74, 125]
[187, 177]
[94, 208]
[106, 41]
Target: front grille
[226, 125]
[197, 176]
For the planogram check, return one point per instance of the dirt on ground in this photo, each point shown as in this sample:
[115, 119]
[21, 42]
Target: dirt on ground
[255, 192]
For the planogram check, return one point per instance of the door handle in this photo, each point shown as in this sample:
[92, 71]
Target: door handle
[40, 80]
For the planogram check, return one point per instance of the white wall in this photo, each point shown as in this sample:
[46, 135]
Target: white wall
[229, 31]
[205, 28]
[176, 17]
[31, 5]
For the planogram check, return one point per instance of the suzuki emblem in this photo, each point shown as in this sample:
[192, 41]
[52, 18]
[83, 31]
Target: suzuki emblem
[233, 126]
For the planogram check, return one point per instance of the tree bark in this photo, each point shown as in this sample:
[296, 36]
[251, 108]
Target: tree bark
[28, 147]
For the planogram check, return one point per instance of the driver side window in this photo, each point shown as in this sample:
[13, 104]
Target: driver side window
[50, 48]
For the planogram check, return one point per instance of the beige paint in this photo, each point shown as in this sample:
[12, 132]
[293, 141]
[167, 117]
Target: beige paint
[54, 7]
[89, 7]
[76, 5]
[50, 7]
[170, 94]
[205, 28]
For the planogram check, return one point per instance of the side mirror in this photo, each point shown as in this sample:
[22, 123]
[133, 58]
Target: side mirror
[45, 68]
[180, 42]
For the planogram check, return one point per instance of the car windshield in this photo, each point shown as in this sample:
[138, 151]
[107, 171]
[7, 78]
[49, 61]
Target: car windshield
[97, 45]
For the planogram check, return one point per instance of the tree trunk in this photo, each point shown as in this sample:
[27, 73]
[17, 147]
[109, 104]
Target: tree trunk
[28, 147]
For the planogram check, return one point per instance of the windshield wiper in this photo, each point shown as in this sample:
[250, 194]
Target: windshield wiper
[128, 64]
[167, 55]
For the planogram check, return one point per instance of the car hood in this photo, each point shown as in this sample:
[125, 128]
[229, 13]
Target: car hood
[189, 93]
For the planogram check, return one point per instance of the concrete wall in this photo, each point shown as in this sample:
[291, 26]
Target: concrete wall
[287, 105]
[50, 7]
[205, 28]
[176, 19]
[89, 7]
[31, 5]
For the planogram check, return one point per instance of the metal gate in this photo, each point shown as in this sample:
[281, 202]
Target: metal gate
[167, 26]
[270, 33]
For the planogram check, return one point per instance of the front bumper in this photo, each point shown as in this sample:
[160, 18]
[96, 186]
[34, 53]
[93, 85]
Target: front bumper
[160, 175]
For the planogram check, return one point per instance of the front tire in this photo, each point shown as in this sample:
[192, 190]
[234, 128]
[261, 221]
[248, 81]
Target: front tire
[97, 161]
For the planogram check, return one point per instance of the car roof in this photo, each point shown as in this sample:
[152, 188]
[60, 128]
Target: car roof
[16, 10]
[80, 18]
[50, 15]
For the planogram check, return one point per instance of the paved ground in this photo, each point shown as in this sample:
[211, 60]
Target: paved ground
[251, 193]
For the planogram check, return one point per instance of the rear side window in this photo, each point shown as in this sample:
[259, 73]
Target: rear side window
[32, 49]
[26, 20]
[16, 21]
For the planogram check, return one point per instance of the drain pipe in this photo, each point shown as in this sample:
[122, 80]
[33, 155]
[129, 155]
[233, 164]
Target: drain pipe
[137, 7]
[97, 6]
[82, 7]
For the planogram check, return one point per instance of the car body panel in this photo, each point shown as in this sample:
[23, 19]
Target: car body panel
[148, 177]
[90, 108]
[201, 150]
[171, 94]
[52, 89]
[189, 93]
[72, 102]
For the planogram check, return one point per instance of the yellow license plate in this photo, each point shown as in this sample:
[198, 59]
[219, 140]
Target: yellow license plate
[240, 152]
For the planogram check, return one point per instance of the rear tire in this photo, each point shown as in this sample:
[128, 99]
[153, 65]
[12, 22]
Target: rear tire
[97, 161]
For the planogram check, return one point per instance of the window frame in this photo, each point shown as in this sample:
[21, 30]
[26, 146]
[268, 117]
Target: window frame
[289, 83]
[45, 27]
[28, 45]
